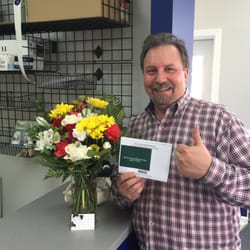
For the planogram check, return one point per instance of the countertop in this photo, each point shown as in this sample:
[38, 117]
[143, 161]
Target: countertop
[245, 237]
[44, 224]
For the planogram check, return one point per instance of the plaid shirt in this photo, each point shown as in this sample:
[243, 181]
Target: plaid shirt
[193, 214]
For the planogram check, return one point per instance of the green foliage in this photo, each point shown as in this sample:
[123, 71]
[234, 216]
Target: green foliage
[114, 108]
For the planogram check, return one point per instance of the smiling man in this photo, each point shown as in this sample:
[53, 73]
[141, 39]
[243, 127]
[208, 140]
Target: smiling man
[165, 76]
[198, 208]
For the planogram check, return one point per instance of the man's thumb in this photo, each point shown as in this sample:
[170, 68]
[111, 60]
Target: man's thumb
[196, 136]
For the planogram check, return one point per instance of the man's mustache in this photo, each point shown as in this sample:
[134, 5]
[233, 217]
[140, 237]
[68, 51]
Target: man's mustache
[162, 86]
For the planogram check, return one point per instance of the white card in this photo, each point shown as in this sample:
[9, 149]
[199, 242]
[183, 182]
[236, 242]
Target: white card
[82, 222]
[148, 159]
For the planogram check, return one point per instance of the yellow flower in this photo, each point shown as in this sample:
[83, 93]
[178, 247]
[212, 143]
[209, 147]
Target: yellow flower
[71, 167]
[60, 110]
[97, 103]
[106, 120]
[95, 147]
[95, 125]
[96, 134]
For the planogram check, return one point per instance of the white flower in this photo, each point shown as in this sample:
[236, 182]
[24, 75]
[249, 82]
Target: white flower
[47, 139]
[56, 137]
[42, 122]
[87, 112]
[106, 145]
[76, 151]
[79, 135]
[71, 119]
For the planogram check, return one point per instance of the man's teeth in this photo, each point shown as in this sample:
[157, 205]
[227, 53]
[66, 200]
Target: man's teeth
[163, 89]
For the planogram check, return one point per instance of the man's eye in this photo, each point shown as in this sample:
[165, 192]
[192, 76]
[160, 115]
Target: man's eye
[150, 71]
[170, 69]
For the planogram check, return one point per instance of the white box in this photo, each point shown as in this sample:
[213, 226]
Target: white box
[30, 63]
[33, 55]
[30, 48]
[6, 62]
[10, 62]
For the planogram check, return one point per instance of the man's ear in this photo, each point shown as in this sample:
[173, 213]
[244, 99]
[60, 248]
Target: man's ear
[186, 74]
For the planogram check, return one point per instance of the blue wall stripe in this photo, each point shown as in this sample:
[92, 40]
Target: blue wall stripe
[161, 16]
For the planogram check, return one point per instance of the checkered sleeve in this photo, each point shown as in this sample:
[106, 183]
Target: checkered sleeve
[230, 178]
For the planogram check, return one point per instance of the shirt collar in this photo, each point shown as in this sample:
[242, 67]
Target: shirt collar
[182, 102]
[176, 107]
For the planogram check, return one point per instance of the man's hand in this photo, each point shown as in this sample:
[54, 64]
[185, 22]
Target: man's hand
[193, 161]
[129, 185]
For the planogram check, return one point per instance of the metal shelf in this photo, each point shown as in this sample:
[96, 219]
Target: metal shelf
[64, 25]
[89, 56]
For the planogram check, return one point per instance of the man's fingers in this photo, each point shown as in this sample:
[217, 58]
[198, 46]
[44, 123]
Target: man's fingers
[126, 176]
[130, 185]
[181, 148]
[196, 136]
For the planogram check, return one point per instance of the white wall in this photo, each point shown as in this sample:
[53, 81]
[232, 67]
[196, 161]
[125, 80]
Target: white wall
[234, 19]
[141, 30]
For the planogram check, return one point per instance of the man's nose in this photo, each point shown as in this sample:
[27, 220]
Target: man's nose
[161, 77]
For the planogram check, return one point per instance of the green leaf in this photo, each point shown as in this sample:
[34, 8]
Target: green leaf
[120, 116]
[39, 107]
[53, 174]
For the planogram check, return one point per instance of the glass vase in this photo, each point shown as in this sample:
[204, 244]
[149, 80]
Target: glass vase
[84, 202]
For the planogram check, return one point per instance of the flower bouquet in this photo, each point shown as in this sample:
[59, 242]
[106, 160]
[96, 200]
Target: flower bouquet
[75, 141]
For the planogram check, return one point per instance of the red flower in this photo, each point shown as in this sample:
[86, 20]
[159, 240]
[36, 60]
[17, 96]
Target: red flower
[60, 148]
[113, 132]
[57, 122]
[80, 107]
[69, 128]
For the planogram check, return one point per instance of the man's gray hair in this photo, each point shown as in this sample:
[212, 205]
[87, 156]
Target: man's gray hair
[159, 39]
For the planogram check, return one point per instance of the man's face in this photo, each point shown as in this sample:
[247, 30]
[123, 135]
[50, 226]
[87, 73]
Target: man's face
[164, 76]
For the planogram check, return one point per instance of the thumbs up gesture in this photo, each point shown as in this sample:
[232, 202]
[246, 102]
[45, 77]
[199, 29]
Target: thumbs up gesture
[193, 161]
